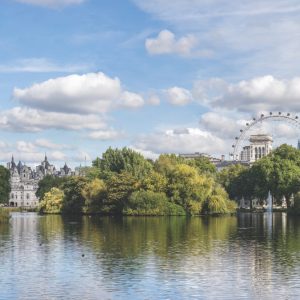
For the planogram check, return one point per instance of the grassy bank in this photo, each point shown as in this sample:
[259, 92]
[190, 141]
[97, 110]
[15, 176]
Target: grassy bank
[4, 216]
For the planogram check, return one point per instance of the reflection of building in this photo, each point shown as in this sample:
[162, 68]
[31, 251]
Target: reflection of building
[260, 146]
[24, 181]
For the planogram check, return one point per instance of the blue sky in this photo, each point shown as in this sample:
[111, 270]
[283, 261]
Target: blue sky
[78, 76]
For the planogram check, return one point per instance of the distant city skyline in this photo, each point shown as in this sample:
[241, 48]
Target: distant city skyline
[78, 76]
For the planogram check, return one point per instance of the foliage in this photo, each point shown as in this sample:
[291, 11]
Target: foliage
[279, 173]
[155, 182]
[4, 216]
[73, 201]
[123, 160]
[151, 203]
[124, 182]
[94, 193]
[119, 188]
[52, 201]
[4, 184]
[166, 163]
[47, 183]
[203, 165]
[188, 189]
[230, 178]
[219, 203]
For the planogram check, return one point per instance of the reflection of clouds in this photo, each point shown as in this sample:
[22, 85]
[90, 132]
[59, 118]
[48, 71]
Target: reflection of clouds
[150, 258]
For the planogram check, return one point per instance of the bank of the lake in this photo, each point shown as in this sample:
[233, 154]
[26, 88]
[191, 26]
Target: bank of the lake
[249, 256]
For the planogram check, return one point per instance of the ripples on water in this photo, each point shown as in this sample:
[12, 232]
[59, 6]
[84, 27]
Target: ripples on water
[251, 256]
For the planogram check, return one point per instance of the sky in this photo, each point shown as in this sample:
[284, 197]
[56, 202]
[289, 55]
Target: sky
[158, 76]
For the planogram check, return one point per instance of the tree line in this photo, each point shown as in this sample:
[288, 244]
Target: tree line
[124, 182]
[279, 173]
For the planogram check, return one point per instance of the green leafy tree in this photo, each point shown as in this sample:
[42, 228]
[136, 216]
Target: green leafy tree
[203, 165]
[151, 203]
[73, 199]
[189, 189]
[52, 201]
[155, 182]
[123, 160]
[95, 194]
[4, 184]
[166, 163]
[119, 188]
[47, 183]
[230, 178]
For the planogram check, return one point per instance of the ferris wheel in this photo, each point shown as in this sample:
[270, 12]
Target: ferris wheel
[257, 125]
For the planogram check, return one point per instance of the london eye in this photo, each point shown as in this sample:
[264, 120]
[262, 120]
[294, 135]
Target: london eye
[273, 124]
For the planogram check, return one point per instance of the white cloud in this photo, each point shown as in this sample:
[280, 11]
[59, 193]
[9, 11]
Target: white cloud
[185, 12]
[220, 124]
[57, 156]
[44, 143]
[179, 96]
[84, 94]
[166, 43]
[246, 37]
[27, 147]
[145, 153]
[82, 157]
[109, 134]
[131, 100]
[255, 95]
[153, 100]
[185, 140]
[52, 3]
[40, 65]
[24, 119]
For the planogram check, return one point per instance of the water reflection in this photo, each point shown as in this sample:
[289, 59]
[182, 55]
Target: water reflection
[233, 257]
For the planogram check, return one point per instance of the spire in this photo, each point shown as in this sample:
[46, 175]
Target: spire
[12, 159]
[46, 156]
[298, 146]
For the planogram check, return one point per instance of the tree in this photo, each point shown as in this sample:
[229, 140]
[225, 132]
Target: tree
[4, 184]
[151, 203]
[166, 163]
[48, 182]
[124, 160]
[52, 201]
[95, 194]
[230, 178]
[73, 199]
[155, 182]
[189, 189]
[119, 188]
[203, 165]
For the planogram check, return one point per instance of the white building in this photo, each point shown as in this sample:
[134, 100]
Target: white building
[24, 181]
[23, 186]
[260, 146]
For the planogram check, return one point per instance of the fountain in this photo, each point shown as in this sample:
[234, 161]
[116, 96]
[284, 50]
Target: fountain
[269, 203]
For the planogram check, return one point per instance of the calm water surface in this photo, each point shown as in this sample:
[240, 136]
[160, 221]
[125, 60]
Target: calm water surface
[250, 256]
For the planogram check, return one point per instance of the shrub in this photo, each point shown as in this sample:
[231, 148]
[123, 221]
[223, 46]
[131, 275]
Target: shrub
[152, 204]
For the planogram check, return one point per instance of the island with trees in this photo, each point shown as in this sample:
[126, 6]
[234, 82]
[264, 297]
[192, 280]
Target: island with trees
[123, 182]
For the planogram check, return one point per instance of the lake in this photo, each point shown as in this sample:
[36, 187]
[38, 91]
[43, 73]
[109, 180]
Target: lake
[248, 256]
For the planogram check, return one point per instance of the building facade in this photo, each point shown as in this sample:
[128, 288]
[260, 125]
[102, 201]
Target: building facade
[24, 181]
[23, 185]
[260, 146]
